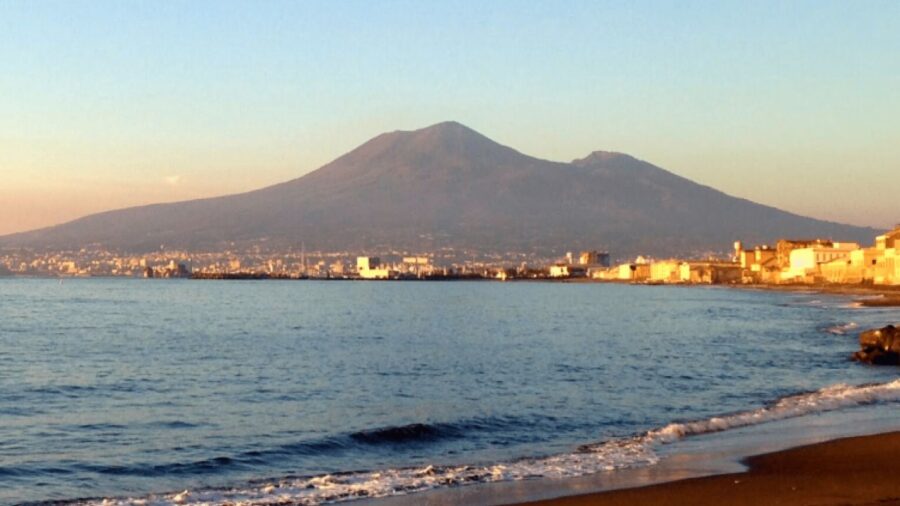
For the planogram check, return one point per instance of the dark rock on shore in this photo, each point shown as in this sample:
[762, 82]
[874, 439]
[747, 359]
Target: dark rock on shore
[879, 346]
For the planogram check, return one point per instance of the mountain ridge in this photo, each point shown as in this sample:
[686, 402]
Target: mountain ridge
[447, 185]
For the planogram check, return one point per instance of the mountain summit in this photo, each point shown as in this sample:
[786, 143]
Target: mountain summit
[449, 186]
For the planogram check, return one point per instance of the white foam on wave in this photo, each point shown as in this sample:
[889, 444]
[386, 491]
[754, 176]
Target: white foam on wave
[842, 329]
[827, 399]
[343, 487]
[605, 456]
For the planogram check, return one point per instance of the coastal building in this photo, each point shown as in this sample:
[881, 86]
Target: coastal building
[504, 274]
[68, 267]
[873, 265]
[784, 247]
[584, 264]
[823, 261]
[418, 265]
[709, 272]
[846, 271]
[371, 268]
[367, 263]
[562, 270]
[887, 252]
[603, 274]
[683, 271]
[623, 272]
[636, 272]
[665, 271]
[805, 265]
[173, 270]
[759, 265]
[594, 258]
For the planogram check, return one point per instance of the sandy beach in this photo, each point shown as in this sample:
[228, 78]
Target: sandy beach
[850, 471]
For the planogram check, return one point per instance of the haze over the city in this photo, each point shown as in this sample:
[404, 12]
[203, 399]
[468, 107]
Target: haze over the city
[114, 104]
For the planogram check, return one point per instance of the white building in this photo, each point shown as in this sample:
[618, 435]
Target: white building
[370, 268]
[567, 271]
[807, 262]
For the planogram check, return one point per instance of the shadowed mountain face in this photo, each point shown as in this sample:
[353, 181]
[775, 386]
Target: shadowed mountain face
[447, 185]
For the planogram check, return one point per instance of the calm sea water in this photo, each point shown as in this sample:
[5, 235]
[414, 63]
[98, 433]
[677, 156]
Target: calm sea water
[151, 391]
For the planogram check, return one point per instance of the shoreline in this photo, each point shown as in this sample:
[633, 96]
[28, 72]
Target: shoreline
[848, 471]
[711, 455]
[875, 295]
[864, 295]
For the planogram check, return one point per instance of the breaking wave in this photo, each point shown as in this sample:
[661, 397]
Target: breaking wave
[604, 456]
[830, 398]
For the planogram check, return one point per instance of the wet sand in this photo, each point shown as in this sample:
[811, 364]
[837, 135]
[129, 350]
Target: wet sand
[852, 471]
[870, 295]
[886, 301]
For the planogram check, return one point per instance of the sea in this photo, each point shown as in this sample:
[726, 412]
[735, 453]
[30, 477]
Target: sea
[163, 392]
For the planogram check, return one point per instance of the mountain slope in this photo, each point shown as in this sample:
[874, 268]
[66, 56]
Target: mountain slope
[447, 185]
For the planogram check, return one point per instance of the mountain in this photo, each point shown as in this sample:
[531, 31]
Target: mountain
[447, 185]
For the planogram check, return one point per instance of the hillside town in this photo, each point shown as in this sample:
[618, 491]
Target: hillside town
[788, 261]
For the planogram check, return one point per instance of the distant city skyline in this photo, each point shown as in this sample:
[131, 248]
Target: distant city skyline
[114, 104]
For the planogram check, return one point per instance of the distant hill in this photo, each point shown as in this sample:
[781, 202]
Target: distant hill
[449, 186]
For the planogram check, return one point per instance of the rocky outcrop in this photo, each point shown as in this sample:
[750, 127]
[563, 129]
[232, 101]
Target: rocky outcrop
[879, 346]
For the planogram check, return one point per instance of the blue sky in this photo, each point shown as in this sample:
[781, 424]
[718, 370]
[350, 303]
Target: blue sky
[109, 104]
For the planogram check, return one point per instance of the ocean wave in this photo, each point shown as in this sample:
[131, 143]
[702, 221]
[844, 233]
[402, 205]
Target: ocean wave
[830, 398]
[412, 433]
[359, 441]
[604, 456]
[425, 433]
[841, 328]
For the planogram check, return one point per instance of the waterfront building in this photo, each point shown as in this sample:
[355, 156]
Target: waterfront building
[417, 260]
[594, 258]
[784, 247]
[367, 263]
[370, 268]
[710, 272]
[636, 272]
[874, 265]
[887, 269]
[562, 270]
[805, 264]
[600, 273]
[622, 272]
[759, 265]
[665, 271]
[418, 265]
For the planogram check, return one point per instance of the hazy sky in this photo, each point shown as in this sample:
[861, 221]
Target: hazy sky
[109, 104]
